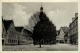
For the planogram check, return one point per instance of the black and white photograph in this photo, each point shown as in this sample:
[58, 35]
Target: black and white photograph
[39, 26]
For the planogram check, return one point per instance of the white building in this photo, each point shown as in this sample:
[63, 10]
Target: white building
[63, 31]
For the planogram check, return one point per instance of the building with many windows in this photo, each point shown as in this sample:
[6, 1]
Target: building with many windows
[73, 32]
[9, 33]
[24, 35]
[27, 36]
[20, 33]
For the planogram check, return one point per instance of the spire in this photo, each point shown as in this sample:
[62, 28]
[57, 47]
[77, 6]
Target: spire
[41, 9]
[41, 4]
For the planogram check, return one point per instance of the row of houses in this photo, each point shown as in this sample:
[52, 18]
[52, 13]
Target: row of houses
[69, 34]
[12, 34]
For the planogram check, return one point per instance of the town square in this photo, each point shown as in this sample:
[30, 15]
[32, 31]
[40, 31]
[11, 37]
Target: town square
[40, 26]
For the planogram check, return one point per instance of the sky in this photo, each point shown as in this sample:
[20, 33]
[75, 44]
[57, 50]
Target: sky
[60, 13]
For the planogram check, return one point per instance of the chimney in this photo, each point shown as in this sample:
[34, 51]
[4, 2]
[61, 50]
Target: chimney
[76, 15]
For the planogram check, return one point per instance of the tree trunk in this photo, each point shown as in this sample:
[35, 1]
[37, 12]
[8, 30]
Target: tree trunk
[34, 42]
[50, 42]
[40, 43]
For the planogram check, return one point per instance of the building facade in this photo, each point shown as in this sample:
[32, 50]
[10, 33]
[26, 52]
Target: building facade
[3, 33]
[74, 30]
[11, 35]
[57, 37]
[66, 37]
[24, 35]
[68, 40]
[27, 36]
[63, 34]
[21, 39]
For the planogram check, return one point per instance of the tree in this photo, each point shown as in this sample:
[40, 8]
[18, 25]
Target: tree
[44, 30]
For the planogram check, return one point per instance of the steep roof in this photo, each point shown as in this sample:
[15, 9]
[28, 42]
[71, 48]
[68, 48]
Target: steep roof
[7, 23]
[58, 31]
[65, 29]
[19, 29]
[29, 32]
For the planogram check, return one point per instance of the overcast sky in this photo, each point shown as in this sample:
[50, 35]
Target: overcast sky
[59, 13]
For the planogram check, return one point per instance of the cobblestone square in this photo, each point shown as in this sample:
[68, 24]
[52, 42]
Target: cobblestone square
[31, 47]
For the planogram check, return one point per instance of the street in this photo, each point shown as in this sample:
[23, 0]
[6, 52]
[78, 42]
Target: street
[31, 47]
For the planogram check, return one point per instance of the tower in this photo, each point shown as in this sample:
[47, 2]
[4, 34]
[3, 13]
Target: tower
[41, 9]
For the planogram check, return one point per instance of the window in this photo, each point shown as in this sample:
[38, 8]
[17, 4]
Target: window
[15, 41]
[2, 35]
[10, 31]
[3, 29]
[12, 41]
[76, 23]
[8, 40]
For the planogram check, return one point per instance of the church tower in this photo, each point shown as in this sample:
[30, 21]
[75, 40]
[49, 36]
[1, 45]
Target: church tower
[42, 15]
[41, 9]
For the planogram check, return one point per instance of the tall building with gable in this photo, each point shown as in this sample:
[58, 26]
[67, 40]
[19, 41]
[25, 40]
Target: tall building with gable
[63, 32]
[10, 35]
[73, 32]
